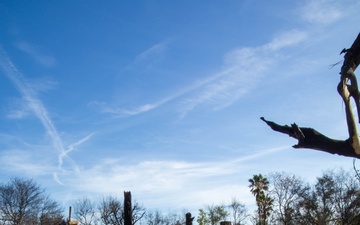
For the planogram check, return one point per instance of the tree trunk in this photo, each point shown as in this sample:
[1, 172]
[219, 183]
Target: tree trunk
[127, 208]
[189, 219]
[225, 223]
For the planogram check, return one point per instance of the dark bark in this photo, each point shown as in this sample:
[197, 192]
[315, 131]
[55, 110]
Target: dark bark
[127, 208]
[225, 223]
[347, 88]
[312, 139]
[189, 219]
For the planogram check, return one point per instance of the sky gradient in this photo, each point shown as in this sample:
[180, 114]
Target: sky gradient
[164, 98]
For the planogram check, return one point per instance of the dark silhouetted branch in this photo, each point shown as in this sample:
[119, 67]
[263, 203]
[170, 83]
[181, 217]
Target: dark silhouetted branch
[312, 139]
[347, 88]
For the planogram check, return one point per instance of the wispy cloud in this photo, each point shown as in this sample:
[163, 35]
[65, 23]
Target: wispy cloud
[158, 177]
[19, 106]
[103, 107]
[321, 11]
[153, 51]
[243, 67]
[30, 97]
[64, 154]
[35, 52]
[23, 162]
[325, 12]
[36, 106]
[18, 109]
[285, 39]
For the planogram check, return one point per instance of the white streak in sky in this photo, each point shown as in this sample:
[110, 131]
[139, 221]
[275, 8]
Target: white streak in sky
[221, 89]
[154, 50]
[286, 39]
[71, 147]
[120, 112]
[38, 108]
[168, 176]
[38, 56]
[325, 12]
[30, 97]
[18, 110]
[244, 67]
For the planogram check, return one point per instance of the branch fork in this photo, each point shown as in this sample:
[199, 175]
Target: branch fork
[347, 88]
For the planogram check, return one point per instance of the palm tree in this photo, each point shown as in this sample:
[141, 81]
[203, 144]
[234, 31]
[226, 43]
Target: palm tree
[258, 185]
[266, 203]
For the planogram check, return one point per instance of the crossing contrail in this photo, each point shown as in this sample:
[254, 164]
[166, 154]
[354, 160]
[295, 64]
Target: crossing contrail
[36, 105]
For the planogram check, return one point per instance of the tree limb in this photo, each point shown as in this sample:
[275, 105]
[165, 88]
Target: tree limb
[347, 88]
[312, 139]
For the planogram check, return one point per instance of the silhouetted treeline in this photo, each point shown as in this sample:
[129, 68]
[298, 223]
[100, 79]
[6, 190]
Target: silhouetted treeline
[281, 199]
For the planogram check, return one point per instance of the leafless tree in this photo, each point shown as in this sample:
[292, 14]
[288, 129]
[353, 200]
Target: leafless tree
[333, 200]
[346, 197]
[286, 191]
[85, 211]
[111, 211]
[238, 210]
[174, 218]
[51, 212]
[24, 202]
[154, 218]
[138, 212]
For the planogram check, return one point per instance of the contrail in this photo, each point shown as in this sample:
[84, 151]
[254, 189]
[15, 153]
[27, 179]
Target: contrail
[71, 147]
[12, 73]
[29, 95]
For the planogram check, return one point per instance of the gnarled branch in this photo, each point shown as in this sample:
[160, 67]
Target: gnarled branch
[347, 88]
[312, 139]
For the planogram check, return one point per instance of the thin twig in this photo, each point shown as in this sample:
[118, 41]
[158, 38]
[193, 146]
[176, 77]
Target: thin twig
[335, 64]
[357, 175]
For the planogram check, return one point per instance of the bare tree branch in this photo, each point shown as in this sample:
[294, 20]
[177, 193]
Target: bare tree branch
[312, 139]
[347, 88]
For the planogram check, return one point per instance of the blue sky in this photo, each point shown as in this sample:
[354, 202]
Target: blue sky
[163, 98]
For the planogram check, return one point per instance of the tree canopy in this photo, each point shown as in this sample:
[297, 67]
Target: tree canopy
[24, 202]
